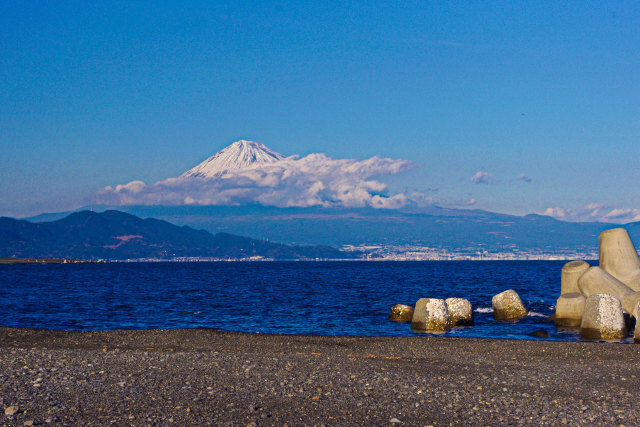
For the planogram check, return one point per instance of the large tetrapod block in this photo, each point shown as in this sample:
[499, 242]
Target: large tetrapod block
[430, 315]
[598, 281]
[603, 318]
[569, 309]
[571, 272]
[619, 258]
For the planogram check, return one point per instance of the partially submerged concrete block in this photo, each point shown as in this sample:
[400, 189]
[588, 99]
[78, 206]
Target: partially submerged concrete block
[619, 258]
[430, 315]
[571, 272]
[460, 311]
[598, 281]
[508, 306]
[603, 318]
[401, 313]
[569, 309]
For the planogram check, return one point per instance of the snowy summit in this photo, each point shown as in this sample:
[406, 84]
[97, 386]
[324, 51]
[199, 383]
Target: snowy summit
[239, 155]
[249, 172]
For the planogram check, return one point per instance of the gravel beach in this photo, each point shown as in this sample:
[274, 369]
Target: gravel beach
[209, 377]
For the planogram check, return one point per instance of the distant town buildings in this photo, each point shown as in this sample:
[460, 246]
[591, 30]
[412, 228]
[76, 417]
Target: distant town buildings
[426, 253]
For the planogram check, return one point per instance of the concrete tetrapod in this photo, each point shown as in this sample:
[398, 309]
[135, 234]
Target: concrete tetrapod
[629, 301]
[460, 311]
[569, 309]
[603, 318]
[598, 281]
[619, 258]
[430, 315]
[507, 305]
[401, 313]
[571, 272]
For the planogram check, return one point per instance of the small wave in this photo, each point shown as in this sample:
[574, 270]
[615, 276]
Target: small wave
[536, 314]
[484, 310]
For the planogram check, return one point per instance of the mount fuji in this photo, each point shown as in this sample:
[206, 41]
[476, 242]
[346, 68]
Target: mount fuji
[248, 172]
[239, 155]
[249, 189]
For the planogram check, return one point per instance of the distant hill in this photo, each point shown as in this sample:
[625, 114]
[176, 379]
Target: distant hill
[117, 235]
[451, 229]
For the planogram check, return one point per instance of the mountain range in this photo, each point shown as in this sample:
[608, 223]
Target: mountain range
[250, 190]
[114, 235]
[447, 229]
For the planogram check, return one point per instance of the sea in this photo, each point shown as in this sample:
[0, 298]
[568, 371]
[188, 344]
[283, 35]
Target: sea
[351, 298]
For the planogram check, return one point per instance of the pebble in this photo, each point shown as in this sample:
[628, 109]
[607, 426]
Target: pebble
[11, 410]
[425, 380]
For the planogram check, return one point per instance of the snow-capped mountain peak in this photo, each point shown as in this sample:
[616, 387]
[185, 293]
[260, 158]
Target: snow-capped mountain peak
[239, 155]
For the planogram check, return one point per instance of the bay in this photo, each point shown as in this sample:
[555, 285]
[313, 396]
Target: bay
[321, 298]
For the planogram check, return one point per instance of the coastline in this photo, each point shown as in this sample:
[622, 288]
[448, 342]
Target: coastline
[13, 261]
[204, 376]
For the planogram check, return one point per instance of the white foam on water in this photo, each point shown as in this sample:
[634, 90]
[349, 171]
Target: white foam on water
[535, 314]
[484, 310]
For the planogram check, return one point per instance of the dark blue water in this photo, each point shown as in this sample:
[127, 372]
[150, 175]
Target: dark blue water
[326, 298]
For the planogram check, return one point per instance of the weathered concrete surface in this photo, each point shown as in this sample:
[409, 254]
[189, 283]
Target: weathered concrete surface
[401, 313]
[603, 318]
[630, 301]
[619, 258]
[598, 281]
[207, 377]
[571, 272]
[460, 311]
[569, 309]
[507, 305]
[430, 315]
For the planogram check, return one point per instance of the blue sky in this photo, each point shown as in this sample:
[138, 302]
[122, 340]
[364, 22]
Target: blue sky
[97, 95]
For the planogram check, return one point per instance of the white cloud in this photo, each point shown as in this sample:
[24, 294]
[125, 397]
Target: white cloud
[556, 213]
[594, 209]
[524, 178]
[482, 177]
[615, 214]
[314, 180]
[595, 212]
[457, 203]
[421, 199]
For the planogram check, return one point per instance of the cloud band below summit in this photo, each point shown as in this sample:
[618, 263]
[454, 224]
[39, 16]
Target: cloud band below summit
[314, 180]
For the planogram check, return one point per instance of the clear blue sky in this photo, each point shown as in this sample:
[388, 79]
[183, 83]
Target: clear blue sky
[101, 94]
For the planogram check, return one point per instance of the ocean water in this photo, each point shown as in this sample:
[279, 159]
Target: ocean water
[321, 298]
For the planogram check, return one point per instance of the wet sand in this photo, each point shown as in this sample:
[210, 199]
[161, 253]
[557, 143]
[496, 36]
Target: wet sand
[208, 377]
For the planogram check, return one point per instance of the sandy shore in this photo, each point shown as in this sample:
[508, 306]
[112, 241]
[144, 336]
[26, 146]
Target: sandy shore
[207, 377]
